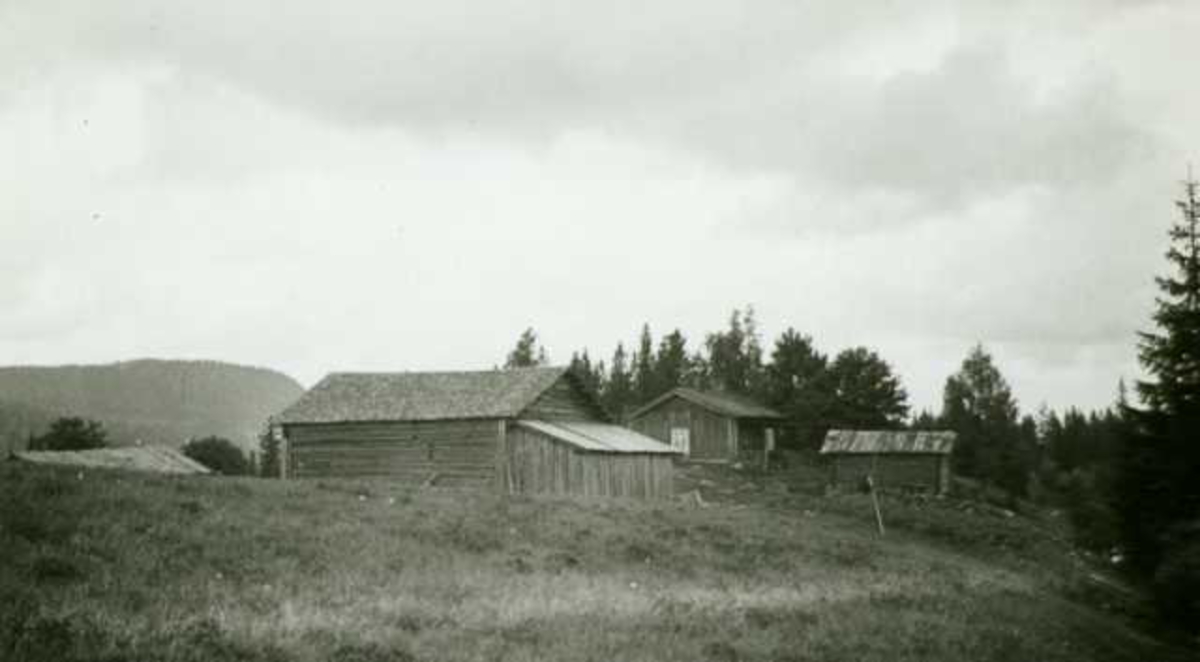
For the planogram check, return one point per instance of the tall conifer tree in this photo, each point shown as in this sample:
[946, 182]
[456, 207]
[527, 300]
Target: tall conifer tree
[644, 380]
[1158, 494]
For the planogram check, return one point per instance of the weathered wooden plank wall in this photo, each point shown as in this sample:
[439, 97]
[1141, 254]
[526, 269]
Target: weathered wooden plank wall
[889, 470]
[457, 452]
[711, 436]
[540, 464]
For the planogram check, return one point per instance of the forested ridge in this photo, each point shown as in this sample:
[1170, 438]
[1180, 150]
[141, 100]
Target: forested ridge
[149, 400]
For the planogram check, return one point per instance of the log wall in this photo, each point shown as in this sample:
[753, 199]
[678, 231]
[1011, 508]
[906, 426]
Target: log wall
[452, 452]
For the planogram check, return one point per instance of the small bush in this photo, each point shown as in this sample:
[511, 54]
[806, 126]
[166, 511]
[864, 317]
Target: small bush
[205, 641]
[44, 639]
[35, 638]
[720, 651]
[71, 434]
[55, 569]
[219, 455]
[370, 653]
[472, 536]
[1177, 584]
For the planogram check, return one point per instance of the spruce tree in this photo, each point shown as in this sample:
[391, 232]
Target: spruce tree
[587, 374]
[1158, 493]
[867, 394]
[799, 386]
[618, 396]
[978, 404]
[527, 353]
[671, 365]
[645, 385]
[735, 356]
[269, 456]
[756, 375]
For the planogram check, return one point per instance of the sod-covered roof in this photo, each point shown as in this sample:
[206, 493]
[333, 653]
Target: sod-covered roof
[136, 458]
[420, 396]
[888, 441]
[718, 402]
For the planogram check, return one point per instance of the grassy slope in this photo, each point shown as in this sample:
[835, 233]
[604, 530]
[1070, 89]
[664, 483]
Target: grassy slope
[127, 567]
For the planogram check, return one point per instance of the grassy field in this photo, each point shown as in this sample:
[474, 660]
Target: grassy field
[115, 566]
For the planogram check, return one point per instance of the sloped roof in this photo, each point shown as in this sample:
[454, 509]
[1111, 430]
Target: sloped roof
[137, 458]
[420, 396]
[888, 441]
[718, 402]
[599, 437]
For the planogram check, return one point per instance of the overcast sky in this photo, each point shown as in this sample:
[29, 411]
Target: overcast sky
[317, 186]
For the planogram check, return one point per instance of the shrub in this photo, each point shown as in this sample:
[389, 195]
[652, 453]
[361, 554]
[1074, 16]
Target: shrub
[55, 569]
[71, 434]
[1092, 517]
[371, 652]
[218, 454]
[1177, 581]
[268, 447]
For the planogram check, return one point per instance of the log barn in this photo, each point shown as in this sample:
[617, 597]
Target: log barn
[896, 459]
[708, 425]
[528, 430]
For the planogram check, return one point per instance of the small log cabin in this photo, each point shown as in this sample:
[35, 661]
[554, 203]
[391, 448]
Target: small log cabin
[529, 430]
[709, 425]
[897, 459]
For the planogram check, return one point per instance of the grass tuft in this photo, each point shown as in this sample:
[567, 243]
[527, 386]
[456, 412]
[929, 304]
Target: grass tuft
[53, 569]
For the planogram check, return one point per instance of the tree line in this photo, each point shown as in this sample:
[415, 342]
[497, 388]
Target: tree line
[1011, 454]
[855, 388]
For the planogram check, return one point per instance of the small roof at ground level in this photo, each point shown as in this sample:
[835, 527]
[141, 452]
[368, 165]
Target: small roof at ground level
[136, 458]
[599, 437]
[718, 402]
[939, 442]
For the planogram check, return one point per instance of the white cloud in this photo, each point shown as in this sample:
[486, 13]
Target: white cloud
[409, 186]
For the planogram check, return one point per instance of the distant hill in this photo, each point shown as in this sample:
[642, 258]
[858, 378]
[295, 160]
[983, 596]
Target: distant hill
[152, 401]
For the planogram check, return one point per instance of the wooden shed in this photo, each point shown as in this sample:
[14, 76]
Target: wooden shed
[522, 430]
[898, 459]
[709, 425]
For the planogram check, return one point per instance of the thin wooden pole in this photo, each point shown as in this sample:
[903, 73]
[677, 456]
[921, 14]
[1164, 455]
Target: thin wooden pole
[875, 497]
[875, 502]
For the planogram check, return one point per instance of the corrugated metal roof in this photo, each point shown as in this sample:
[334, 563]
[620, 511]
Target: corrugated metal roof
[420, 396]
[888, 441]
[138, 458]
[720, 402]
[599, 437]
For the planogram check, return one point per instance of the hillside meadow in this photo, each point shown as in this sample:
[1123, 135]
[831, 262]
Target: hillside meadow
[102, 565]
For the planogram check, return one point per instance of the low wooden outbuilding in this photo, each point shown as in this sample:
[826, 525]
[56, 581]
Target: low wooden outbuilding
[529, 430]
[709, 425]
[156, 459]
[897, 459]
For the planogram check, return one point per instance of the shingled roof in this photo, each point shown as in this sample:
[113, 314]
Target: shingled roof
[718, 402]
[888, 441]
[420, 396]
